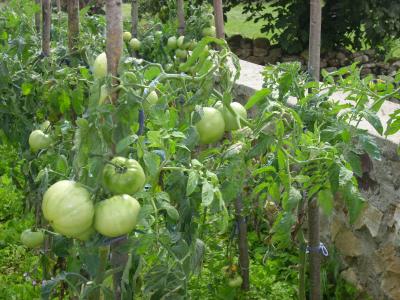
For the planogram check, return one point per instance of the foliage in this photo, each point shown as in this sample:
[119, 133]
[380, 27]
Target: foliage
[345, 23]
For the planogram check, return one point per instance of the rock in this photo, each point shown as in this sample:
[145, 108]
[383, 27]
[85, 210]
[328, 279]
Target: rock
[273, 56]
[323, 64]
[365, 71]
[365, 59]
[246, 43]
[244, 53]
[234, 41]
[390, 285]
[304, 54]
[261, 43]
[331, 69]
[390, 259]
[341, 56]
[396, 64]
[383, 65]
[371, 217]
[290, 58]
[370, 52]
[358, 59]
[350, 276]
[348, 244]
[334, 62]
[369, 66]
[260, 52]
[256, 60]
[336, 226]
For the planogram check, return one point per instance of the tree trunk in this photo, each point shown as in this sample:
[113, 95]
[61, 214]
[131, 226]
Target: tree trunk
[181, 16]
[46, 12]
[219, 19]
[315, 39]
[243, 244]
[114, 38]
[37, 17]
[135, 17]
[73, 25]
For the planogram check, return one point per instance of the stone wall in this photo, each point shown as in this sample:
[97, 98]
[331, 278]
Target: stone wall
[369, 250]
[259, 51]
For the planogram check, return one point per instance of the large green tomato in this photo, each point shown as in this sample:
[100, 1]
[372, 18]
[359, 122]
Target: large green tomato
[100, 66]
[123, 176]
[151, 99]
[127, 36]
[135, 44]
[182, 54]
[236, 281]
[180, 42]
[172, 43]
[116, 216]
[209, 31]
[39, 140]
[84, 236]
[68, 208]
[32, 239]
[211, 126]
[229, 118]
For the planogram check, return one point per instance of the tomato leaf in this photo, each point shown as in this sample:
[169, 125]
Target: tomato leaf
[325, 200]
[207, 193]
[257, 97]
[193, 180]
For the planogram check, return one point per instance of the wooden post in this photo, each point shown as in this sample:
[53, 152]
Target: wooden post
[46, 12]
[135, 17]
[243, 244]
[38, 16]
[313, 210]
[181, 16]
[219, 19]
[73, 25]
[114, 46]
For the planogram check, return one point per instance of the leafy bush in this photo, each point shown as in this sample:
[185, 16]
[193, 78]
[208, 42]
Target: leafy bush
[345, 23]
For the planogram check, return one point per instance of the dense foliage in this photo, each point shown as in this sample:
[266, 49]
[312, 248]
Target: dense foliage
[132, 171]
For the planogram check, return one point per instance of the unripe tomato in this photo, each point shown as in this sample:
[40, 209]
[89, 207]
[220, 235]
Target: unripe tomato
[172, 43]
[151, 99]
[191, 45]
[211, 126]
[103, 94]
[236, 281]
[39, 140]
[229, 118]
[32, 239]
[127, 36]
[100, 66]
[158, 34]
[45, 126]
[180, 42]
[182, 54]
[135, 44]
[84, 236]
[123, 176]
[209, 31]
[116, 216]
[129, 77]
[68, 208]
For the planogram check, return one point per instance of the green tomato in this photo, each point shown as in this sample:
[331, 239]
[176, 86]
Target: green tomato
[209, 31]
[182, 54]
[84, 236]
[129, 77]
[151, 99]
[230, 119]
[172, 43]
[191, 45]
[181, 42]
[39, 140]
[135, 44]
[104, 93]
[116, 216]
[123, 176]
[68, 208]
[100, 66]
[127, 36]
[45, 126]
[158, 34]
[235, 282]
[32, 239]
[211, 126]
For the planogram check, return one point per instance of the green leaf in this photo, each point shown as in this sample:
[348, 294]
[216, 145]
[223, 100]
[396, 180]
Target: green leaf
[192, 183]
[152, 162]
[151, 73]
[171, 211]
[369, 145]
[355, 162]
[26, 88]
[292, 200]
[345, 176]
[353, 200]
[257, 97]
[207, 193]
[123, 144]
[325, 200]
[374, 120]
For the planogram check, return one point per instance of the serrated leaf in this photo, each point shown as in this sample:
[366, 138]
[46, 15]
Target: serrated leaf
[325, 200]
[353, 200]
[374, 120]
[290, 202]
[257, 97]
[369, 145]
[207, 193]
[345, 176]
[355, 162]
[123, 144]
[152, 162]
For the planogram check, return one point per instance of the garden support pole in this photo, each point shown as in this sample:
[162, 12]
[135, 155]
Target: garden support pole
[181, 16]
[219, 19]
[135, 17]
[73, 25]
[114, 46]
[313, 210]
[38, 16]
[46, 13]
[243, 244]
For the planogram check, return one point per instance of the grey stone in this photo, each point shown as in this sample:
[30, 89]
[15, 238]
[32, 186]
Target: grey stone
[371, 217]
[246, 43]
[260, 52]
[234, 40]
[390, 285]
[341, 56]
[348, 244]
[244, 53]
[261, 43]
[331, 69]
[289, 58]
[274, 55]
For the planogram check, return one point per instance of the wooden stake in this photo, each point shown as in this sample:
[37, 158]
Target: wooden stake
[135, 17]
[46, 13]
[73, 25]
[219, 19]
[181, 16]
[37, 17]
[244, 260]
